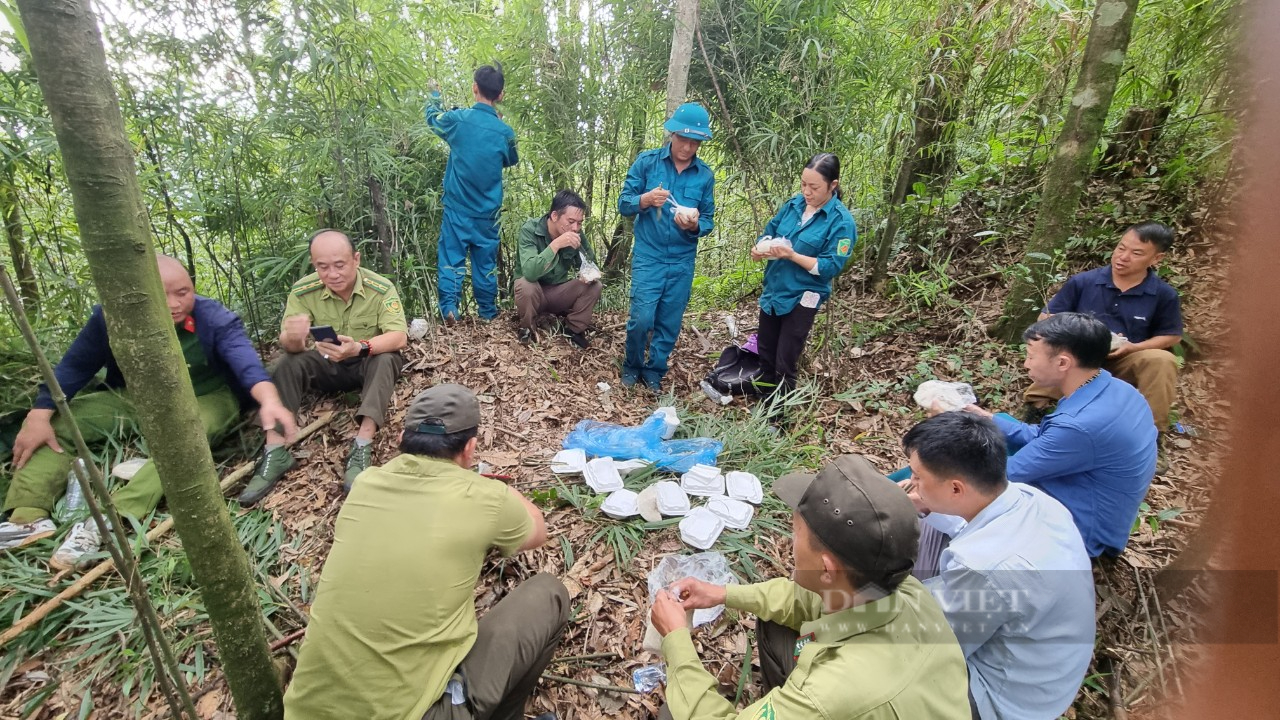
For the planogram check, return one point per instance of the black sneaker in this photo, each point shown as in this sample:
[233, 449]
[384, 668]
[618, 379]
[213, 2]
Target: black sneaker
[577, 338]
[525, 335]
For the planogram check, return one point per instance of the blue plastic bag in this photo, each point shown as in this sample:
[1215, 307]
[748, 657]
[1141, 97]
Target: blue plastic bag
[601, 439]
[681, 455]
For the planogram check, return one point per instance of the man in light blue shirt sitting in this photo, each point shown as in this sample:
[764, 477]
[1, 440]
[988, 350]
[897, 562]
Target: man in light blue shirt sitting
[1096, 453]
[1016, 584]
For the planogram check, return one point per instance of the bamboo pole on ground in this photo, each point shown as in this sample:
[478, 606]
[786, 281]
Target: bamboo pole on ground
[106, 566]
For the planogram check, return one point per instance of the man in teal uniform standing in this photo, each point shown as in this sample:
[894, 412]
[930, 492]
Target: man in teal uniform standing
[669, 193]
[480, 146]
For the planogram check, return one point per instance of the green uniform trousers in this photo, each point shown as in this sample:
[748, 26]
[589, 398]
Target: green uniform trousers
[375, 377]
[515, 642]
[38, 485]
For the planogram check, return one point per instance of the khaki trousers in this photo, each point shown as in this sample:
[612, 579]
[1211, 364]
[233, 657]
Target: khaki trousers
[1153, 372]
[514, 644]
[574, 300]
[295, 374]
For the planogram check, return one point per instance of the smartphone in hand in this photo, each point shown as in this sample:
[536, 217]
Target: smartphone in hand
[324, 333]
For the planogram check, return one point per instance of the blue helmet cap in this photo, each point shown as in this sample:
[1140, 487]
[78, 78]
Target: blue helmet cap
[690, 120]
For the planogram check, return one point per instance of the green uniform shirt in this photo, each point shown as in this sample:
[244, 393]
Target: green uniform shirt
[374, 307]
[539, 263]
[394, 613]
[204, 379]
[887, 660]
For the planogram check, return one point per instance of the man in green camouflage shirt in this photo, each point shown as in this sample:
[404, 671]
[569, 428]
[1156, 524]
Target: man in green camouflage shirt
[364, 309]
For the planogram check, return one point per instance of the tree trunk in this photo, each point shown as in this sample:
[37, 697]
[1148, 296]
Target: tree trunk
[381, 226]
[1069, 169]
[28, 288]
[901, 184]
[686, 22]
[930, 156]
[71, 67]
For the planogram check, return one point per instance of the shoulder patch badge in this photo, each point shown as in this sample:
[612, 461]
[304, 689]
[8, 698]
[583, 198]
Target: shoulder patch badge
[393, 305]
[302, 288]
[846, 244]
[800, 643]
[766, 712]
[378, 286]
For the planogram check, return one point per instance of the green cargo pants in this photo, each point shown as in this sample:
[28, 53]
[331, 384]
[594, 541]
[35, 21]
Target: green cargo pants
[38, 485]
[515, 642]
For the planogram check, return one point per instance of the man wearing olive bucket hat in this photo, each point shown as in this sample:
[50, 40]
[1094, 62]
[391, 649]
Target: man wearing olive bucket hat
[669, 193]
[850, 635]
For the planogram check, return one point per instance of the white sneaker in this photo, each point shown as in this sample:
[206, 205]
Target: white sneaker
[15, 535]
[81, 541]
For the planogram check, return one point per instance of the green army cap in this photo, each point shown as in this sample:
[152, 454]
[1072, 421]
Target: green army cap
[860, 515]
[443, 410]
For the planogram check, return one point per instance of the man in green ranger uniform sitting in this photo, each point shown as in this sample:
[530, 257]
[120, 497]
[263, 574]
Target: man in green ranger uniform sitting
[551, 249]
[364, 310]
[852, 635]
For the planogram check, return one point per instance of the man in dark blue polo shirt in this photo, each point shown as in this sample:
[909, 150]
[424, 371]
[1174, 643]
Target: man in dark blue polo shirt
[1096, 453]
[1131, 299]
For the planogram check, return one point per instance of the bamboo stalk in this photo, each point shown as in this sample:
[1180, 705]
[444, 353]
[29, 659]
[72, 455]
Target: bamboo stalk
[585, 684]
[592, 656]
[109, 525]
[106, 566]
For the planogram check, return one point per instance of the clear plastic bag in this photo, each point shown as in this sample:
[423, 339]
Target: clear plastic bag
[589, 272]
[710, 567]
[947, 395]
[681, 455]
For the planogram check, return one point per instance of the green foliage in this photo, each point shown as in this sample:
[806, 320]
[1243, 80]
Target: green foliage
[1153, 519]
[96, 633]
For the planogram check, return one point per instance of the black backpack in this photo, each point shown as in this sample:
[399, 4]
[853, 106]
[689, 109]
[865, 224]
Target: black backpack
[735, 372]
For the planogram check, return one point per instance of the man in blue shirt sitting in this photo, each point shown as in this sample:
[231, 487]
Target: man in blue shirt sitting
[1134, 303]
[1015, 583]
[480, 146]
[1096, 453]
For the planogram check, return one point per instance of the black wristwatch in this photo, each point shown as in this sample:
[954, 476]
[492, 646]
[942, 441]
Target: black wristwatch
[365, 348]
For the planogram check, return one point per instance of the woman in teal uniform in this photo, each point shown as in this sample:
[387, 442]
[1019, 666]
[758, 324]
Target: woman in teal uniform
[806, 245]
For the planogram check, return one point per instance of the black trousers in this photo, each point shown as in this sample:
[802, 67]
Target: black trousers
[780, 340]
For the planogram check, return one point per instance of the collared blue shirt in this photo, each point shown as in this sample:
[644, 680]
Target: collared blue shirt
[1096, 454]
[1146, 310]
[658, 238]
[1017, 588]
[829, 236]
[220, 331]
[480, 146]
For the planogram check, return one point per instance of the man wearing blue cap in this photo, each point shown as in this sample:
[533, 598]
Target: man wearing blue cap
[669, 193]
[480, 146]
